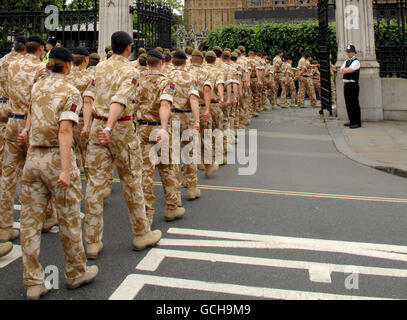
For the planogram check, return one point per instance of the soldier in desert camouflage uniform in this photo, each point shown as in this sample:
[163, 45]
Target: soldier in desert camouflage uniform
[136, 63]
[17, 53]
[269, 82]
[316, 78]
[167, 65]
[256, 82]
[278, 75]
[245, 118]
[185, 115]
[154, 96]
[217, 103]
[113, 110]
[22, 74]
[305, 81]
[288, 83]
[205, 84]
[50, 169]
[80, 77]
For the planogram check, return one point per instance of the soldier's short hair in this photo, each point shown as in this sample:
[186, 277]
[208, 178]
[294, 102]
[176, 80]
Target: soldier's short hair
[32, 46]
[153, 61]
[178, 62]
[78, 59]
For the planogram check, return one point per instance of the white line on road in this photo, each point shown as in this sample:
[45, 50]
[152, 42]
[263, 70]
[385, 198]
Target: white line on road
[13, 255]
[290, 241]
[319, 272]
[132, 285]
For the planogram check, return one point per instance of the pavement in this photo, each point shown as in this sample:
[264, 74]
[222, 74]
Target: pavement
[308, 224]
[380, 145]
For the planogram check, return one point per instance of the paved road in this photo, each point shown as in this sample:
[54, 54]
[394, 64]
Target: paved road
[290, 231]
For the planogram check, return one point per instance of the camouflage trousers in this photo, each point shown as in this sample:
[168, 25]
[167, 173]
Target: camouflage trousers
[270, 92]
[168, 172]
[317, 86]
[333, 88]
[278, 82]
[184, 122]
[256, 94]
[207, 146]
[306, 87]
[13, 163]
[293, 93]
[217, 124]
[3, 126]
[39, 183]
[125, 152]
[264, 90]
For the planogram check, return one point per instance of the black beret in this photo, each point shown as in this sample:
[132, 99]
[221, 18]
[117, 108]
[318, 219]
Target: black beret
[21, 39]
[52, 41]
[180, 55]
[81, 51]
[61, 53]
[155, 53]
[121, 38]
[36, 39]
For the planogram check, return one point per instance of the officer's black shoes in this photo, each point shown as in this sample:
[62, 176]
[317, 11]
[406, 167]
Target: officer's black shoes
[347, 124]
[355, 126]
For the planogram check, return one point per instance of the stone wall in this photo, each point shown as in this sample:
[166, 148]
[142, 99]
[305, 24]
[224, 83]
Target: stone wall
[394, 98]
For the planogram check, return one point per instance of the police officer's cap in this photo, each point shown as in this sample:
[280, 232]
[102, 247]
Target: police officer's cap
[121, 38]
[81, 51]
[217, 48]
[197, 53]
[180, 55]
[94, 56]
[351, 48]
[241, 48]
[155, 54]
[37, 39]
[21, 39]
[210, 54]
[52, 41]
[61, 53]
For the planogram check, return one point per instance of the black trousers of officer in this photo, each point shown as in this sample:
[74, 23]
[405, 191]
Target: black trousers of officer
[351, 91]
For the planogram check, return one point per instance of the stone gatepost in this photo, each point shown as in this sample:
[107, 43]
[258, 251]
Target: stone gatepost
[114, 15]
[354, 25]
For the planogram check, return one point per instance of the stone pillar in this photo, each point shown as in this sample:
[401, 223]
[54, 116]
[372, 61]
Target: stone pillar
[114, 15]
[354, 25]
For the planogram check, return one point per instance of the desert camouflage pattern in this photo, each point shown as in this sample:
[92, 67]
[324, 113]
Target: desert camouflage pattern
[316, 80]
[167, 68]
[306, 85]
[123, 150]
[54, 100]
[290, 87]
[22, 74]
[278, 78]
[153, 89]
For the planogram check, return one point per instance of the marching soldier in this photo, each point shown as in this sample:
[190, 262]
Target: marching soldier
[22, 74]
[257, 74]
[154, 96]
[269, 82]
[278, 75]
[18, 53]
[50, 170]
[80, 77]
[205, 84]
[288, 84]
[167, 66]
[186, 115]
[113, 139]
[316, 78]
[305, 81]
[247, 92]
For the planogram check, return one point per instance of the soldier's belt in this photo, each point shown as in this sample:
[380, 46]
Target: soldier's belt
[305, 76]
[148, 123]
[17, 116]
[3, 100]
[181, 111]
[128, 118]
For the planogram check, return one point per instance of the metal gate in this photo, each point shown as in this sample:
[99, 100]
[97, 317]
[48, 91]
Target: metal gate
[77, 22]
[324, 51]
[391, 40]
[152, 24]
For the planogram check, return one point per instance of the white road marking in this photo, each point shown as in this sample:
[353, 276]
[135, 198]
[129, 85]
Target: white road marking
[291, 241]
[132, 285]
[319, 272]
[13, 255]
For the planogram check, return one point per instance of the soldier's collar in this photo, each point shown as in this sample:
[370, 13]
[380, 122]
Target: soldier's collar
[56, 75]
[150, 71]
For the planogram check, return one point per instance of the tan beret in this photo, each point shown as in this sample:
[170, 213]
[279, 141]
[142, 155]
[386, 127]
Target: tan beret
[237, 51]
[159, 49]
[235, 55]
[197, 53]
[141, 50]
[226, 54]
[241, 48]
[217, 48]
[227, 49]
[210, 54]
[143, 55]
[108, 48]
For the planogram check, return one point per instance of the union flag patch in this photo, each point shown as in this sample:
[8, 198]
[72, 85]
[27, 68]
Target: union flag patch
[196, 84]
[134, 81]
[172, 86]
[74, 107]
[93, 83]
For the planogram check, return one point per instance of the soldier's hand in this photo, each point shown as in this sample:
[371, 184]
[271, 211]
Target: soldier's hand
[162, 135]
[228, 103]
[197, 126]
[85, 133]
[260, 83]
[104, 137]
[221, 103]
[64, 180]
[22, 138]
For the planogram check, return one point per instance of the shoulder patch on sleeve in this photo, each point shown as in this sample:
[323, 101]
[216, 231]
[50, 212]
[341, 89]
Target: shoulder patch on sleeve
[74, 107]
[93, 83]
[134, 81]
[172, 86]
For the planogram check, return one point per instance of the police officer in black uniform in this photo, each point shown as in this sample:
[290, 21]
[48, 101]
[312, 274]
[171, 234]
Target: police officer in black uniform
[351, 70]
